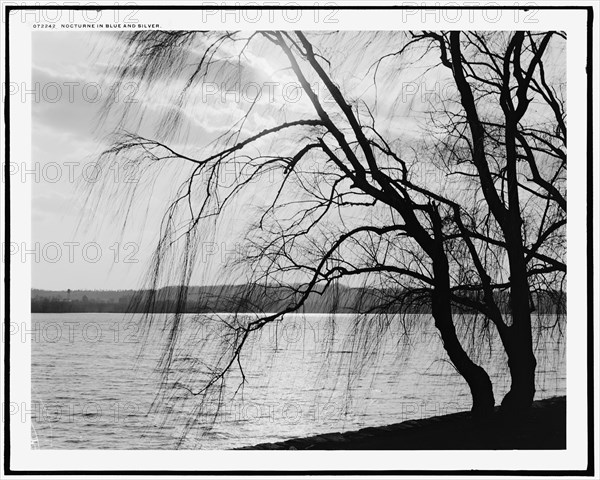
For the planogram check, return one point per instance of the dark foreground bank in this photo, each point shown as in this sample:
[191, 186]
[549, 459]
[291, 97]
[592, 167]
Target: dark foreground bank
[543, 427]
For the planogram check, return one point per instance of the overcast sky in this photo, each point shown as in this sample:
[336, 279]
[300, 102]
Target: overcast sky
[84, 245]
[64, 142]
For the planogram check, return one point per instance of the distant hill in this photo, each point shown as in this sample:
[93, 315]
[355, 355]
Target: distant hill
[196, 299]
[253, 298]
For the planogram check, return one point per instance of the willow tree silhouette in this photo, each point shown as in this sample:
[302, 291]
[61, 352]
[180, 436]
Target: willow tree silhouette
[344, 174]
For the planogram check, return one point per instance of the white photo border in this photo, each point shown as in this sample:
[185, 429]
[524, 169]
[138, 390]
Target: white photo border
[571, 19]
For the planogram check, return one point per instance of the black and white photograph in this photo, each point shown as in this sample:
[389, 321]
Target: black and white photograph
[300, 239]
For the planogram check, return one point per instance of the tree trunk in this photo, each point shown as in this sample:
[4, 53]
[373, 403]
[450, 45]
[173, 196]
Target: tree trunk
[522, 363]
[476, 377]
[518, 341]
[519, 348]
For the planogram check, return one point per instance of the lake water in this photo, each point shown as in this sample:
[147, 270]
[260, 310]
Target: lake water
[92, 390]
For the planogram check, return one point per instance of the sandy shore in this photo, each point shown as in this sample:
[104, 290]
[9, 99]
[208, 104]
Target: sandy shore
[543, 427]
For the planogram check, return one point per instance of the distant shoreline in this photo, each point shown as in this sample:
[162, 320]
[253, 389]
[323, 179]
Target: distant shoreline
[542, 427]
[253, 298]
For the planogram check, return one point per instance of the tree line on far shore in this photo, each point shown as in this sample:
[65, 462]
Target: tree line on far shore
[236, 299]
